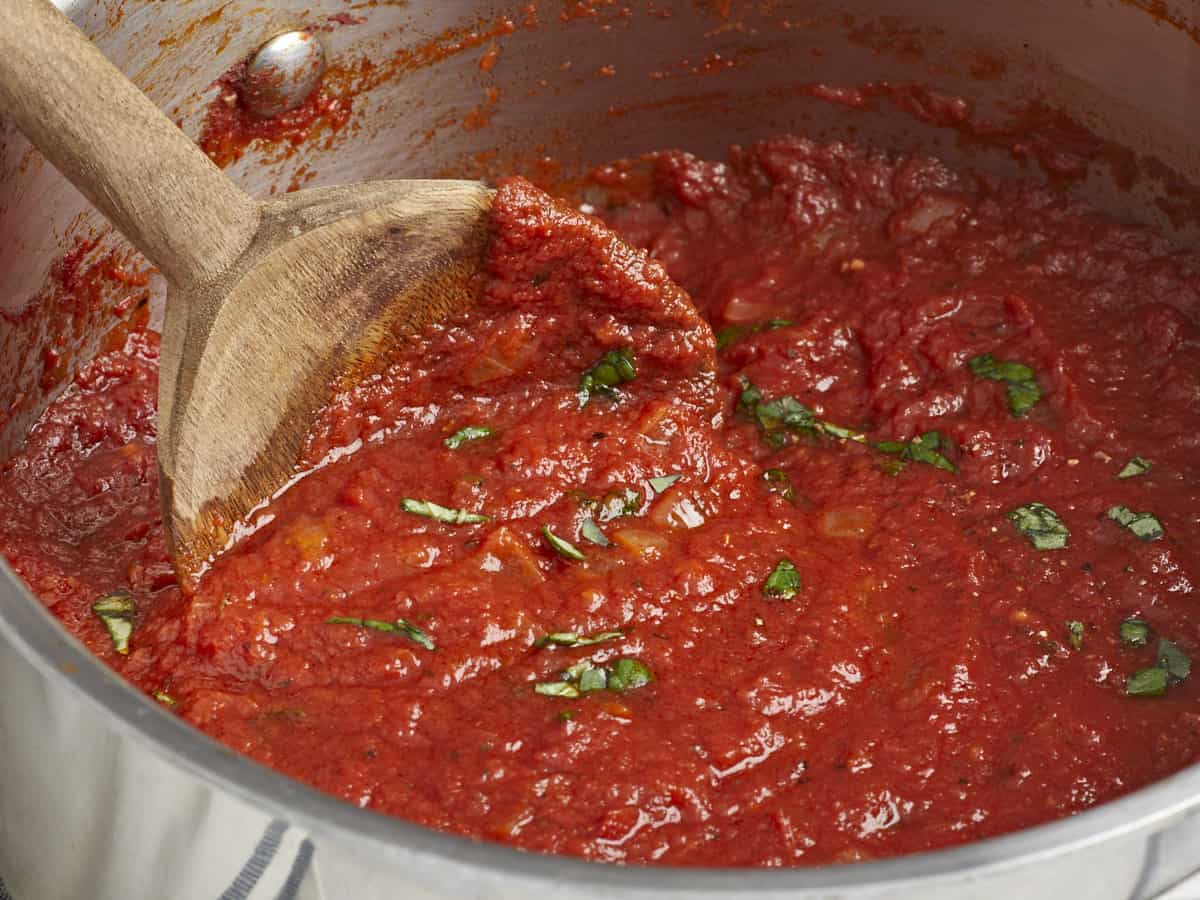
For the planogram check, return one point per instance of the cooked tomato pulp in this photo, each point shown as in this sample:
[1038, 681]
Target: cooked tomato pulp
[872, 573]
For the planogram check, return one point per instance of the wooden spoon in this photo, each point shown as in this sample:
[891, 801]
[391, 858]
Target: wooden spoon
[270, 304]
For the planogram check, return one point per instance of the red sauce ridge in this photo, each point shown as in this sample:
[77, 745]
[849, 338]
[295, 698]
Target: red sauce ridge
[230, 127]
[921, 689]
[92, 289]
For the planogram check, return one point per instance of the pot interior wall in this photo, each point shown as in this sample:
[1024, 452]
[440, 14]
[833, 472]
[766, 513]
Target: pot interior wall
[478, 89]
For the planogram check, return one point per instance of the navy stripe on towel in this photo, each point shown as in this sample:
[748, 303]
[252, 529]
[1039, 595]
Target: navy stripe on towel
[253, 870]
[295, 878]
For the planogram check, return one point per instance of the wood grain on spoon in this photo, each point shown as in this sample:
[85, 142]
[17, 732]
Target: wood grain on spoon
[270, 305]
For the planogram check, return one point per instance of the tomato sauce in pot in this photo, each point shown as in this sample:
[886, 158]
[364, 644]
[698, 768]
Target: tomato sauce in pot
[892, 546]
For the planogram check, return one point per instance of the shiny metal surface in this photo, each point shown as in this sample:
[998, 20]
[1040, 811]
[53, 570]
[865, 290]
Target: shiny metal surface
[283, 72]
[93, 769]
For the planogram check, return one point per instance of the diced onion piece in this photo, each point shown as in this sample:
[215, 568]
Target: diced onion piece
[509, 353]
[640, 541]
[653, 420]
[677, 510]
[513, 554]
[924, 213]
[309, 540]
[742, 310]
[853, 522]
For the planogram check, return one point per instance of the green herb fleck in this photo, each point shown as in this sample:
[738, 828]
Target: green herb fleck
[783, 419]
[1041, 525]
[1176, 663]
[571, 639]
[593, 679]
[662, 482]
[1075, 633]
[573, 671]
[628, 675]
[563, 548]
[1172, 666]
[1022, 387]
[924, 449]
[1145, 526]
[784, 581]
[585, 677]
[845, 434]
[438, 513]
[164, 698]
[779, 483]
[116, 611]
[731, 334]
[469, 433]
[566, 715]
[556, 689]
[590, 531]
[614, 367]
[1147, 683]
[1134, 632]
[616, 504]
[1139, 465]
[400, 626]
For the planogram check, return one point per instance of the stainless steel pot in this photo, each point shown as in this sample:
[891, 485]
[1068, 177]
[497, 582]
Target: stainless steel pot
[104, 795]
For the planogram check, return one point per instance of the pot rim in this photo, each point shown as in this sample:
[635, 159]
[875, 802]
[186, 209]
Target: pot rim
[44, 643]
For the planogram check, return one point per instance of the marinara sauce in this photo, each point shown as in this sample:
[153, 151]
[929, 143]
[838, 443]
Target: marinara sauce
[900, 552]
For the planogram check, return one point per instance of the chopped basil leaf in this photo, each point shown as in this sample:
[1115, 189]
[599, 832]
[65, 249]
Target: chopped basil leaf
[1075, 633]
[616, 504]
[923, 449]
[987, 366]
[590, 531]
[614, 367]
[786, 413]
[1022, 387]
[1135, 632]
[1139, 465]
[573, 671]
[778, 482]
[1145, 526]
[400, 626]
[1041, 525]
[845, 434]
[563, 548]
[594, 679]
[784, 581]
[164, 698]
[566, 715]
[1022, 397]
[585, 677]
[118, 603]
[1172, 664]
[556, 689]
[570, 639]
[469, 433]
[1147, 683]
[787, 416]
[731, 334]
[116, 611]
[438, 513]
[628, 675]
[1176, 663]
[662, 482]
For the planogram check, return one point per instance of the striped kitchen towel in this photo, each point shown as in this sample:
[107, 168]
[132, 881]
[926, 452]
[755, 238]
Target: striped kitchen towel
[275, 869]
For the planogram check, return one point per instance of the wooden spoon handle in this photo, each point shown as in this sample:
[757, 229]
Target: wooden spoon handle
[117, 148]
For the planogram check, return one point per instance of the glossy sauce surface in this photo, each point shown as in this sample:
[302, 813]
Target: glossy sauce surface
[920, 687]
